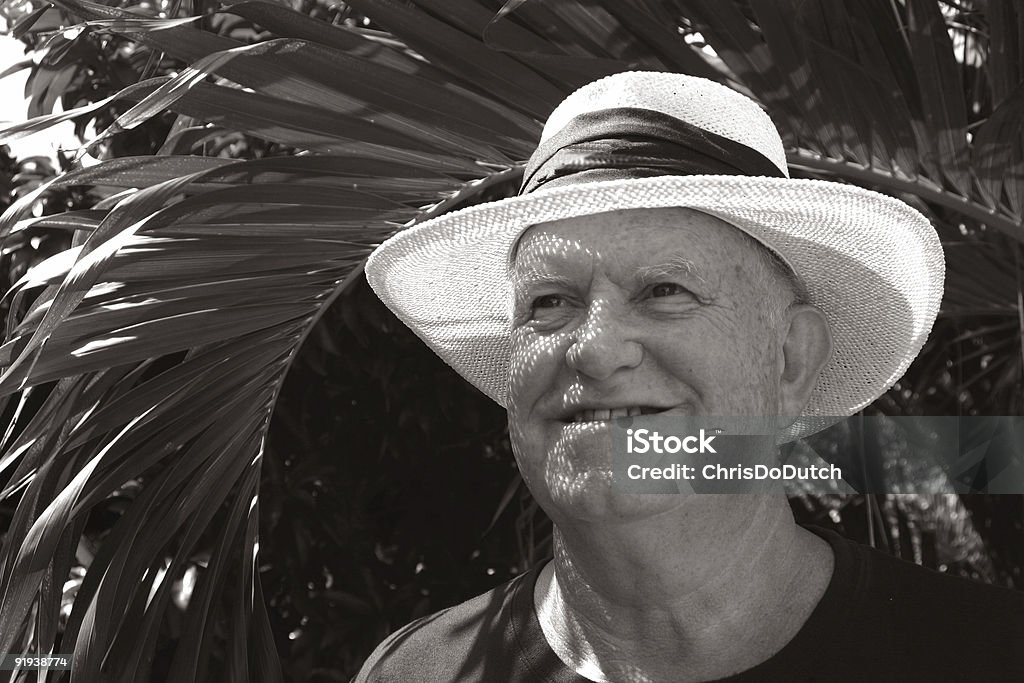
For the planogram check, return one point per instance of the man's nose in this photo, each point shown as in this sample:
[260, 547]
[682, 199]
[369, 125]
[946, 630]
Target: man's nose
[604, 343]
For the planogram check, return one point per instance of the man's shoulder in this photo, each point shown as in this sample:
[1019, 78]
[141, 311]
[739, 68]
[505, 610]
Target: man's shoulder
[913, 614]
[908, 587]
[449, 645]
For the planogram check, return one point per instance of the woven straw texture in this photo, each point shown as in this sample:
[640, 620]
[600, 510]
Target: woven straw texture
[871, 263]
[698, 101]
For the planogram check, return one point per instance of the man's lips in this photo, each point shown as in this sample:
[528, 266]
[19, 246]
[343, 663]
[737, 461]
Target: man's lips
[603, 414]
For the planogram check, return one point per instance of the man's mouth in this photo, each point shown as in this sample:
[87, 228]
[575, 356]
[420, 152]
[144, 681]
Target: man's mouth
[605, 414]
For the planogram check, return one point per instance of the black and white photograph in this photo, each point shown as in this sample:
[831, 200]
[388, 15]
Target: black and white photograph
[512, 341]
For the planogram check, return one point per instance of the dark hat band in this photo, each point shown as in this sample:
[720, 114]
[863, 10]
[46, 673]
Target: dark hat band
[632, 143]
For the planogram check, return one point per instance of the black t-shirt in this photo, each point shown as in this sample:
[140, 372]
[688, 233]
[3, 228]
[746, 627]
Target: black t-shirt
[880, 619]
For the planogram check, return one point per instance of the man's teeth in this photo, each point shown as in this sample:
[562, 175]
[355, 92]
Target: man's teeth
[605, 414]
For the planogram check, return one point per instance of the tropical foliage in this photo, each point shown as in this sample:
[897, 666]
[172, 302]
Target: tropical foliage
[143, 364]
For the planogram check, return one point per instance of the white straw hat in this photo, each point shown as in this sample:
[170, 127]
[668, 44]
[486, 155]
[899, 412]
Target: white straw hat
[871, 263]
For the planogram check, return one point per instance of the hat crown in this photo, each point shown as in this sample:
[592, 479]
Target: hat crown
[697, 101]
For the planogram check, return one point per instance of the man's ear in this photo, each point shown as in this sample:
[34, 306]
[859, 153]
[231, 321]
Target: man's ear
[803, 354]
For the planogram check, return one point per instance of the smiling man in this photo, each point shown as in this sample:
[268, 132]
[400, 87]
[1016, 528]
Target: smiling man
[641, 311]
[659, 261]
[675, 312]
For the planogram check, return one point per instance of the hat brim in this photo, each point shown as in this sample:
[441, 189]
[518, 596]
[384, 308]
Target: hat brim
[871, 263]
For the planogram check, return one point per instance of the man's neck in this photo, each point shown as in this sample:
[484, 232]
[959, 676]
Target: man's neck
[698, 593]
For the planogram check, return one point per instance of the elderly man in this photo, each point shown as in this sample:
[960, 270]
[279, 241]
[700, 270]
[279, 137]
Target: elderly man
[659, 261]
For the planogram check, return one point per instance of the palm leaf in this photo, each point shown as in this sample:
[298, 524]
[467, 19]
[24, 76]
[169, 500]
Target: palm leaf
[160, 342]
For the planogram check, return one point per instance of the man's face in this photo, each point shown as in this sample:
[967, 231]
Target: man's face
[649, 310]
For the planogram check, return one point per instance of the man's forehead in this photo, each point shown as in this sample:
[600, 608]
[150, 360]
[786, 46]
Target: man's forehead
[641, 240]
[566, 263]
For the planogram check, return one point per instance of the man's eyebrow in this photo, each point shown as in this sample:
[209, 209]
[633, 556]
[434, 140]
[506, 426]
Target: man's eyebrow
[676, 265]
[538, 278]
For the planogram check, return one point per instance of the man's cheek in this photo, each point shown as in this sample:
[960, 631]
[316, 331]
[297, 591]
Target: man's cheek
[529, 451]
[524, 366]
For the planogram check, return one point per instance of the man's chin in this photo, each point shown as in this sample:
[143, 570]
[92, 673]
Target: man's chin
[591, 496]
[576, 480]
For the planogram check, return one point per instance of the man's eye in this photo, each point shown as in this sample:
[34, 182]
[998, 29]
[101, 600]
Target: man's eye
[549, 301]
[667, 289]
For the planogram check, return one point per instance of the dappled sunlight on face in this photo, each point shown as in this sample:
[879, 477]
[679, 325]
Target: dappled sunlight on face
[627, 313]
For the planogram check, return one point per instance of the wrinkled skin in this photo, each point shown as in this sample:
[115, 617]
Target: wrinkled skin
[656, 307]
